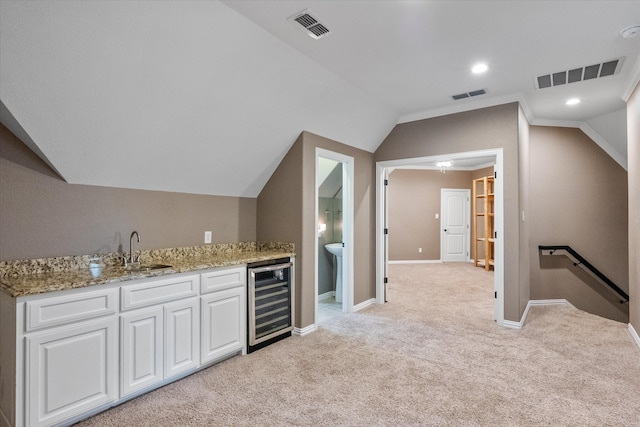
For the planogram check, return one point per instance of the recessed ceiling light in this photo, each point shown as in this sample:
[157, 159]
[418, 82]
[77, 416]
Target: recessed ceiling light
[479, 68]
[630, 31]
[573, 101]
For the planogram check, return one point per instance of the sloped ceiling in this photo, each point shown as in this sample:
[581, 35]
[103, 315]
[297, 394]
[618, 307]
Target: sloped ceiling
[184, 96]
[207, 96]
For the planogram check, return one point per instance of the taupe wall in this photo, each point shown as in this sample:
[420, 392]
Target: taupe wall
[43, 216]
[487, 128]
[292, 189]
[633, 153]
[413, 201]
[279, 214]
[578, 197]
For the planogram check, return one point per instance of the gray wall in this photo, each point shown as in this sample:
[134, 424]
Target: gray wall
[633, 151]
[286, 207]
[578, 197]
[487, 128]
[43, 216]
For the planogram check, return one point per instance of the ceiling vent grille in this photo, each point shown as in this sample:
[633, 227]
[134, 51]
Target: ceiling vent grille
[311, 25]
[468, 94]
[574, 75]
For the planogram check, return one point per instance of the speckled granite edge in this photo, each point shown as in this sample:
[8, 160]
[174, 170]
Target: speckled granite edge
[38, 276]
[79, 262]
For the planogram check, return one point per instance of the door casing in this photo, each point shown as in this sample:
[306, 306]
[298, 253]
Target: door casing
[381, 254]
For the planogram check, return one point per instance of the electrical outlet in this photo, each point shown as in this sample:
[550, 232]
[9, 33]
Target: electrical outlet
[419, 250]
[437, 216]
[207, 237]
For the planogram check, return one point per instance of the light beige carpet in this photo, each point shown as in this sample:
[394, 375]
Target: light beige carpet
[431, 356]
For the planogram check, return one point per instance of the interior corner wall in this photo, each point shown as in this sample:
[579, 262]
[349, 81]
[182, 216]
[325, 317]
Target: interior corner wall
[292, 189]
[482, 129]
[578, 197]
[524, 154]
[413, 202]
[633, 154]
[43, 216]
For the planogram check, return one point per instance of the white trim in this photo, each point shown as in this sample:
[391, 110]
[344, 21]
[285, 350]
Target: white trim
[381, 261]
[416, 261]
[304, 331]
[557, 123]
[633, 81]
[326, 296]
[537, 302]
[348, 217]
[634, 334]
[364, 304]
[452, 168]
[604, 144]
[463, 106]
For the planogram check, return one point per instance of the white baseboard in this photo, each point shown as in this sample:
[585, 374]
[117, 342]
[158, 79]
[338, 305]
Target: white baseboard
[417, 261]
[364, 304]
[539, 302]
[634, 334]
[304, 331]
[326, 296]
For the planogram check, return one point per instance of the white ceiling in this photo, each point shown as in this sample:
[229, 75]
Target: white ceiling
[207, 97]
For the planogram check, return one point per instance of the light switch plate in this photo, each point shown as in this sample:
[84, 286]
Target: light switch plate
[207, 237]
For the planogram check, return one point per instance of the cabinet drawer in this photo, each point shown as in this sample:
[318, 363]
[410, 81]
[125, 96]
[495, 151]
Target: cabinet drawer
[223, 279]
[48, 312]
[159, 291]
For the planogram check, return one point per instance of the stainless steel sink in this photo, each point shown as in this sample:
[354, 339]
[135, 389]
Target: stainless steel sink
[145, 267]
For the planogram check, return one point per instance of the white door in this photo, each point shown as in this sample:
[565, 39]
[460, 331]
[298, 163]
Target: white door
[141, 356]
[70, 370]
[223, 323]
[182, 336]
[454, 237]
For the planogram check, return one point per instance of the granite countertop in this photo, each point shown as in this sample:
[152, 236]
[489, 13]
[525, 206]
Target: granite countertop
[38, 276]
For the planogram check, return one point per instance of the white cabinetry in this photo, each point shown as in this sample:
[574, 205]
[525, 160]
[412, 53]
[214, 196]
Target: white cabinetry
[141, 349]
[181, 337]
[69, 354]
[70, 368]
[161, 340]
[224, 309]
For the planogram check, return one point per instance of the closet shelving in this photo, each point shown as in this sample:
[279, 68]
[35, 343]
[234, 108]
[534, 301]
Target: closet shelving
[483, 231]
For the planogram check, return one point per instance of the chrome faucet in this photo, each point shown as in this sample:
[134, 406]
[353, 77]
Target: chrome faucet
[131, 260]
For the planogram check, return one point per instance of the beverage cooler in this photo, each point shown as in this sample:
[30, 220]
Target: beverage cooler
[269, 302]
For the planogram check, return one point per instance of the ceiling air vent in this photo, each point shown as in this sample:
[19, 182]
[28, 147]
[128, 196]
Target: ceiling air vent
[469, 94]
[311, 25]
[588, 72]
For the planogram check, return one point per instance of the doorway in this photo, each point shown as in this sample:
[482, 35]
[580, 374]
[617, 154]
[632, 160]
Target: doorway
[454, 229]
[495, 156]
[334, 234]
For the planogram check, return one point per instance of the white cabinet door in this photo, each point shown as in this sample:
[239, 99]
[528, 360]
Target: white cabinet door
[181, 336]
[141, 340]
[70, 370]
[224, 327]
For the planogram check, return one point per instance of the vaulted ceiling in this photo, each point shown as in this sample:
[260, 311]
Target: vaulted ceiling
[207, 96]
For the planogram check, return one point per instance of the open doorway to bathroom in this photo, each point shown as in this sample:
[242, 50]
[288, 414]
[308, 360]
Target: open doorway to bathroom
[334, 250]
